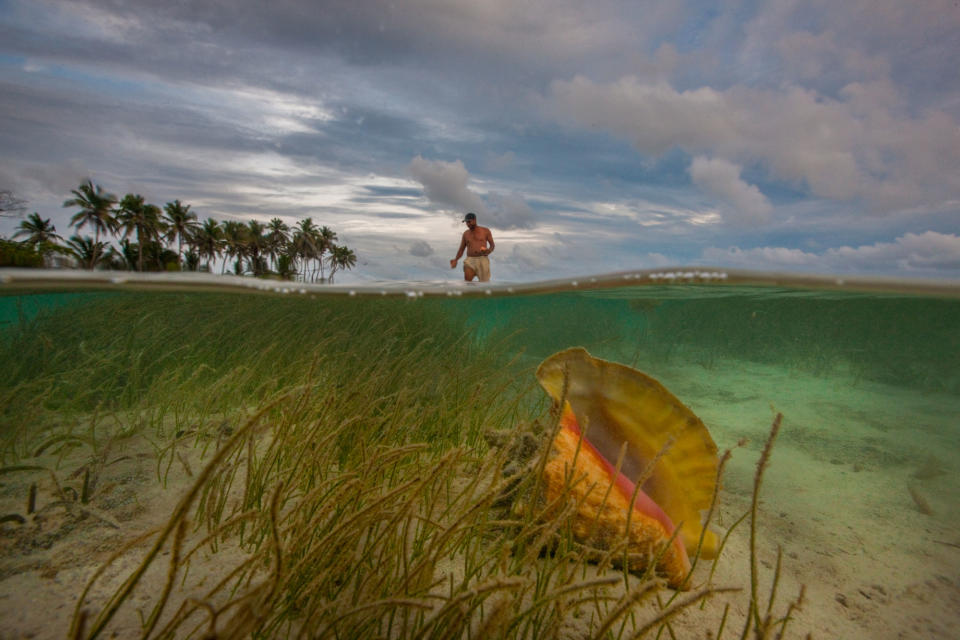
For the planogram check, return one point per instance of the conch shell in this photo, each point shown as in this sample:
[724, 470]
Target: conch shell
[613, 413]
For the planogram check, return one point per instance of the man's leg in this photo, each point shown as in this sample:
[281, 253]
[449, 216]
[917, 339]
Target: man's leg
[468, 273]
[484, 272]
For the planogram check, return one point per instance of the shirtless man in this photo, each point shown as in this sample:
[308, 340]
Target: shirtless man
[478, 241]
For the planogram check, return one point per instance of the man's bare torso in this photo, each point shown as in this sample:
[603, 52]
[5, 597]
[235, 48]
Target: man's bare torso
[476, 240]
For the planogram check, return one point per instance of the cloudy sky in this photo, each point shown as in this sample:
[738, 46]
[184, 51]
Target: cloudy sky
[806, 135]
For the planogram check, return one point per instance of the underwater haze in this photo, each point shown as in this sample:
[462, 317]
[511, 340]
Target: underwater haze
[179, 462]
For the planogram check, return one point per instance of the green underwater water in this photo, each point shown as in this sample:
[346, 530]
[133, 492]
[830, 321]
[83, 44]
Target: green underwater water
[894, 338]
[110, 348]
[868, 382]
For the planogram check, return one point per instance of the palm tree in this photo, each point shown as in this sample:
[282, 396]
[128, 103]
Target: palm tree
[286, 267]
[37, 230]
[306, 244]
[116, 261]
[181, 222]
[126, 257]
[191, 260]
[144, 219]
[208, 241]
[87, 250]
[256, 244]
[40, 234]
[235, 238]
[95, 209]
[341, 258]
[327, 238]
[278, 236]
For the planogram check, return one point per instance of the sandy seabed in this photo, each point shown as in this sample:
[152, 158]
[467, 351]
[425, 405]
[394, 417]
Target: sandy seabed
[860, 496]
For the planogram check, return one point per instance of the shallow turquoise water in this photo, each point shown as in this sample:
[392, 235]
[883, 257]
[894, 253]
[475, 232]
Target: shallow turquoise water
[15, 309]
[868, 383]
[898, 338]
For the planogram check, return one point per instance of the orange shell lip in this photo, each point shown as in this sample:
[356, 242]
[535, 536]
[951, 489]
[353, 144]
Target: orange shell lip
[643, 503]
[604, 518]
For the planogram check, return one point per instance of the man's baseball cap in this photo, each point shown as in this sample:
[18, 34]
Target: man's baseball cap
[470, 216]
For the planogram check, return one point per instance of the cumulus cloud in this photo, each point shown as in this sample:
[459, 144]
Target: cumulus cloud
[809, 56]
[446, 185]
[911, 251]
[761, 257]
[828, 44]
[920, 253]
[841, 150]
[510, 211]
[530, 258]
[421, 249]
[740, 202]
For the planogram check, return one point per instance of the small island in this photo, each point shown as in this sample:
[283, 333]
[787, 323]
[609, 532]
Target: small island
[172, 238]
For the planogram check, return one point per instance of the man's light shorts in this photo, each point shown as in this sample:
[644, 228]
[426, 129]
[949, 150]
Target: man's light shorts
[480, 266]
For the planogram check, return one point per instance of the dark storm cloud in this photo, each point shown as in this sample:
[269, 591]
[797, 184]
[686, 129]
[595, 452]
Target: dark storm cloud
[381, 197]
[345, 26]
[73, 118]
[405, 192]
[371, 133]
[380, 202]
[387, 215]
[377, 31]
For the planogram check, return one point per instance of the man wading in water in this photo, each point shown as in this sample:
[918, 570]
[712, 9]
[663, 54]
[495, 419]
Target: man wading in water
[475, 240]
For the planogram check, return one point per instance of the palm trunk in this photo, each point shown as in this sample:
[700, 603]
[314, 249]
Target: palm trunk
[96, 246]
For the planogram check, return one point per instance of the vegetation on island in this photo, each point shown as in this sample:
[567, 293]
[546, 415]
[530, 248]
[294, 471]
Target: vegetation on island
[171, 238]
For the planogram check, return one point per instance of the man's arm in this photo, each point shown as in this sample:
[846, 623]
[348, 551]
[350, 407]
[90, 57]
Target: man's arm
[490, 242]
[463, 245]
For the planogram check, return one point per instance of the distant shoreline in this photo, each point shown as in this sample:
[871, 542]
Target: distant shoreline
[717, 278]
